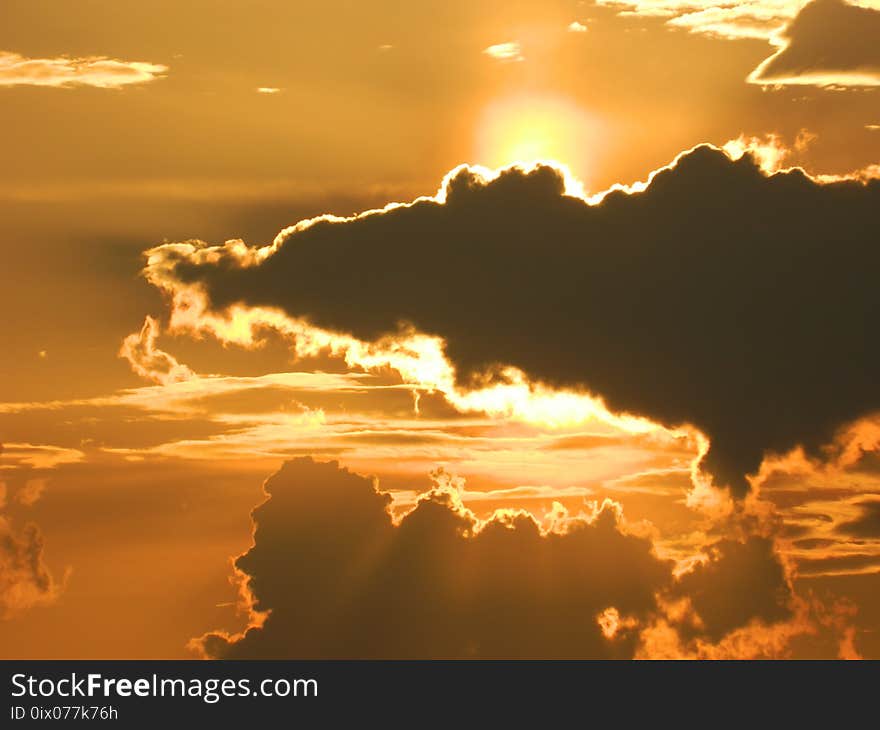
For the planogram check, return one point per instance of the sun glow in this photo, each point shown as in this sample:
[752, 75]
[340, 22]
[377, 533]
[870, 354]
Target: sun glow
[530, 129]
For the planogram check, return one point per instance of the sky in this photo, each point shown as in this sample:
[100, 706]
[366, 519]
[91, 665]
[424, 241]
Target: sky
[439, 329]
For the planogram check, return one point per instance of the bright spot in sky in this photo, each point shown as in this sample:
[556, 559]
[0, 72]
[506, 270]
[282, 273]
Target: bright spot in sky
[530, 129]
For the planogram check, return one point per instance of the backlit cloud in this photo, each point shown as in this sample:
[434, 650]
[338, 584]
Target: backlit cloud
[821, 43]
[439, 583]
[830, 42]
[703, 344]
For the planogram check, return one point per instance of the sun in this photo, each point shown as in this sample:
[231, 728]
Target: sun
[527, 129]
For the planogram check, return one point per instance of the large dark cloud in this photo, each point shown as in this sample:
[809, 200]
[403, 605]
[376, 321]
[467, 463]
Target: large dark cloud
[340, 580]
[741, 303]
[829, 41]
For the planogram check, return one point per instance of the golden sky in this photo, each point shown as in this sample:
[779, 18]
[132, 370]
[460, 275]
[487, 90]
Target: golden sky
[551, 325]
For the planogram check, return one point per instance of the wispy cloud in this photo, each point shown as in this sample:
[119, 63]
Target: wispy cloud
[150, 362]
[65, 71]
[759, 19]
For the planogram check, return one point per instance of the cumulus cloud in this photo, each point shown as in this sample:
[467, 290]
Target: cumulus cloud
[830, 42]
[339, 579]
[750, 568]
[331, 575]
[769, 151]
[829, 629]
[64, 71]
[716, 295]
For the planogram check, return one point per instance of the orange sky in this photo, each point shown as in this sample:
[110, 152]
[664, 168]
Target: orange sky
[139, 419]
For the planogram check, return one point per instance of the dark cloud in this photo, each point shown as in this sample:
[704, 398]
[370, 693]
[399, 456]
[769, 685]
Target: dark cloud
[828, 42]
[743, 582]
[838, 564]
[721, 297]
[809, 543]
[339, 579]
[867, 525]
[342, 581]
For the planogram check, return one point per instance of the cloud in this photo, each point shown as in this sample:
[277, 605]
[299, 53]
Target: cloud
[510, 51]
[37, 456]
[751, 567]
[830, 42]
[268, 90]
[25, 580]
[771, 154]
[330, 575]
[755, 19]
[64, 71]
[740, 603]
[612, 623]
[822, 43]
[827, 508]
[150, 362]
[830, 630]
[576, 27]
[31, 492]
[715, 295]
[339, 579]
[867, 525]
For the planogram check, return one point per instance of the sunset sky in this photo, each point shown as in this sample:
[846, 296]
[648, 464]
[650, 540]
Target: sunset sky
[439, 329]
